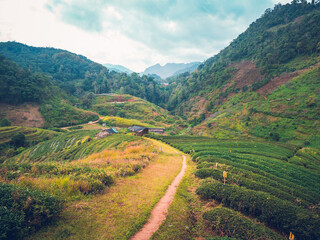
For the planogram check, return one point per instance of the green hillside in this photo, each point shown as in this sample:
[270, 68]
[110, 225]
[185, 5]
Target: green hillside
[77, 75]
[130, 107]
[269, 74]
[12, 144]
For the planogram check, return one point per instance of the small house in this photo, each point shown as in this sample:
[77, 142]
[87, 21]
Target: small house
[138, 130]
[106, 132]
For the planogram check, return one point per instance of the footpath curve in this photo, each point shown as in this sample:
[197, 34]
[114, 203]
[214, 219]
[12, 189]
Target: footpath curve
[158, 214]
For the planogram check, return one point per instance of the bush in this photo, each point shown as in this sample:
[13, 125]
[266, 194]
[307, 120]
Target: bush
[18, 140]
[23, 210]
[232, 224]
[275, 212]
[5, 123]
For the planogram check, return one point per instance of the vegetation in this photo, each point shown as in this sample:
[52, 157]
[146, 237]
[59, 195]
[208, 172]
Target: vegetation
[5, 123]
[9, 137]
[90, 216]
[19, 85]
[77, 75]
[59, 113]
[261, 181]
[23, 210]
[126, 106]
[230, 223]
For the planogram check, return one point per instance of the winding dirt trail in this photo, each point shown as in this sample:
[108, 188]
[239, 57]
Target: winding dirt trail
[158, 214]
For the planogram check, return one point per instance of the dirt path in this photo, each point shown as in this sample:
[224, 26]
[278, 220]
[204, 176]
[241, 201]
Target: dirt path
[158, 214]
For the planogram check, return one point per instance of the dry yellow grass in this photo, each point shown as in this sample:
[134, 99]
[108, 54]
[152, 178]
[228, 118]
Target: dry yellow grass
[124, 207]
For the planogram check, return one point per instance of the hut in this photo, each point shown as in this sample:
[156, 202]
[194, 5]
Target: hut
[106, 132]
[138, 130]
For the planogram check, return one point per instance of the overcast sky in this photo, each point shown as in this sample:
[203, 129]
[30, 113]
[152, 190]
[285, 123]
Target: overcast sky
[132, 33]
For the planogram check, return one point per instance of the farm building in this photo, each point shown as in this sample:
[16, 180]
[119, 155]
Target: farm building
[106, 132]
[156, 130]
[138, 130]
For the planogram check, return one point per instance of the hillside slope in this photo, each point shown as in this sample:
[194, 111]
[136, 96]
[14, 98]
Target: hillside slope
[266, 59]
[76, 74]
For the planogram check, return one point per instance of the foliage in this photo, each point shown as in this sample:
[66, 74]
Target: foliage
[230, 223]
[130, 107]
[274, 182]
[32, 137]
[23, 210]
[123, 122]
[18, 140]
[59, 113]
[274, 212]
[5, 123]
[19, 85]
[77, 75]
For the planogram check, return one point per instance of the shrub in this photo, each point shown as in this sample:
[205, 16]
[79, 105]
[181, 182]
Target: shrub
[275, 212]
[18, 140]
[23, 210]
[5, 123]
[232, 224]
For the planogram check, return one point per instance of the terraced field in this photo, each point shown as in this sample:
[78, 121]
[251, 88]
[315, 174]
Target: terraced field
[275, 184]
[38, 183]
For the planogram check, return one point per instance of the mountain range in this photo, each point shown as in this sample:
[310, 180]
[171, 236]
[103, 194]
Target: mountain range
[171, 69]
[117, 68]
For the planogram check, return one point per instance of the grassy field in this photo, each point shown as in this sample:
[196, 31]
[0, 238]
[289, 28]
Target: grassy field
[121, 210]
[271, 183]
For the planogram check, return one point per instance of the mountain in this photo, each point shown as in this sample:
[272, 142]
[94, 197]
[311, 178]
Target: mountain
[264, 84]
[117, 68]
[77, 75]
[171, 69]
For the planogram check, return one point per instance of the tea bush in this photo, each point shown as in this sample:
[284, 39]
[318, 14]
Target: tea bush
[233, 224]
[273, 211]
[23, 210]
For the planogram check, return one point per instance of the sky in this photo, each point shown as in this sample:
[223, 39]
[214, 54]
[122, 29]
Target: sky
[132, 33]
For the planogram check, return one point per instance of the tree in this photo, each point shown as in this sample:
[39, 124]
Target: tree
[5, 123]
[18, 140]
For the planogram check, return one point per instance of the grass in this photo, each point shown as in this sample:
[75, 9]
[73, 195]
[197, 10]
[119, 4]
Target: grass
[123, 208]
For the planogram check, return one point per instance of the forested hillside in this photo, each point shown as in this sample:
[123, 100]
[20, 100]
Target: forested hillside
[76, 74]
[237, 92]
[19, 85]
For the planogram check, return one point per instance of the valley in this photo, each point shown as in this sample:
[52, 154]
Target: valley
[242, 129]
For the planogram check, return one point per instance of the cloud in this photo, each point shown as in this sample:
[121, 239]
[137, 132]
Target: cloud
[133, 33]
[166, 25]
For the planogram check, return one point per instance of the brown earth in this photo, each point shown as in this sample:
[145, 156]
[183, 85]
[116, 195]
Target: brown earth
[26, 115]
[282, 79]
[246, 75]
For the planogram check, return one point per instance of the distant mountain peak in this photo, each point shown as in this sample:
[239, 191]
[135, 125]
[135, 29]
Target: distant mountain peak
[171, 69]
[117, 68]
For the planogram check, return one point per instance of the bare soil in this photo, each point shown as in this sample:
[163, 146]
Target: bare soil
[158, 214]
[26, 115]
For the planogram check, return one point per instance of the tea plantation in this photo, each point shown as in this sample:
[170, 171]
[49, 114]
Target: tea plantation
[273, 183]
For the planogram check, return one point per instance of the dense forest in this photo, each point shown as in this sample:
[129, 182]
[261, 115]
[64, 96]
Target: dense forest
[19, 85]
[78, 75]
